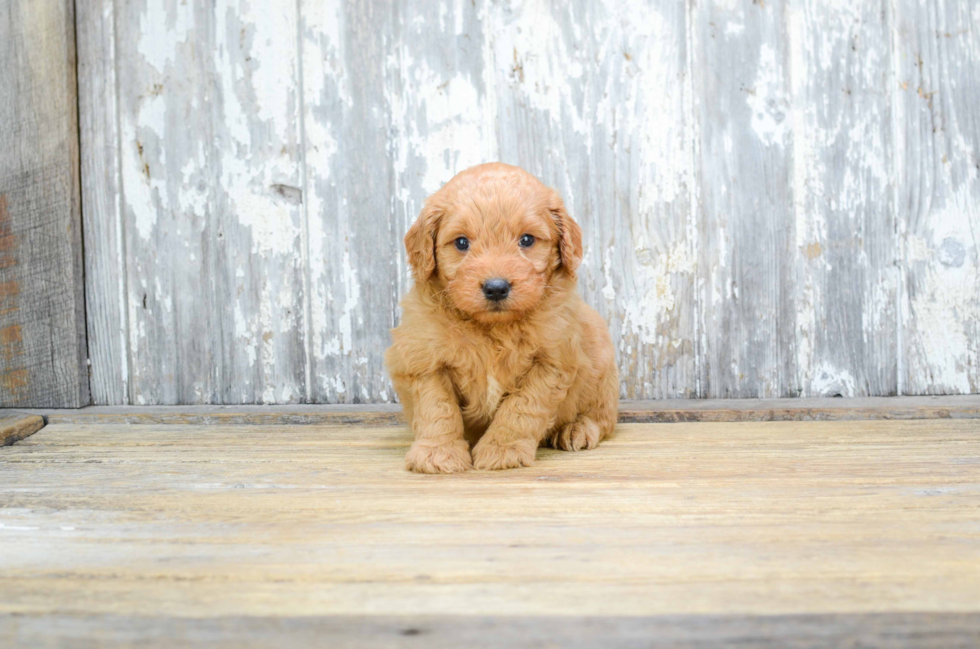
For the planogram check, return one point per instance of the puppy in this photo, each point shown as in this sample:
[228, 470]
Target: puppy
[495, 343]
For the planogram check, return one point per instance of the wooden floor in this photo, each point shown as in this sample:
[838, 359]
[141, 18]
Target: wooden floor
[775, 534]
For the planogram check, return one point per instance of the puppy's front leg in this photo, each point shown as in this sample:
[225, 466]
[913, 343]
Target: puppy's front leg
[522, 420]
[437, 423]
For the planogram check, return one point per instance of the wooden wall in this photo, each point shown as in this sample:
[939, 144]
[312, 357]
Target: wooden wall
[779, 198]
[42, 311]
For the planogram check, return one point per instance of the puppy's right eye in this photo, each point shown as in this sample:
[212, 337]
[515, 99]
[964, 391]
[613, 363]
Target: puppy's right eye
[462, 244]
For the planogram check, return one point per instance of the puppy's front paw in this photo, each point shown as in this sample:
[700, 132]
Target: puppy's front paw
[576, 436]
[490, 455]
[425, 457]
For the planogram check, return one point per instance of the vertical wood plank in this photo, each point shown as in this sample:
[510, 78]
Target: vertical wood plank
[746, 259]
[845, 249]
[169, 177]
[353, 249]
[105, 255]
[593, 99]
[212, 182]
[257, 213]
[936, 94]
[42, 316]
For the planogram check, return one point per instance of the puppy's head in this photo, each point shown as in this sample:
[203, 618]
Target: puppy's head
[495, 240]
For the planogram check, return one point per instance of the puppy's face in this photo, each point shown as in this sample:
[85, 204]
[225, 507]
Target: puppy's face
[496, 261]
[493, 239]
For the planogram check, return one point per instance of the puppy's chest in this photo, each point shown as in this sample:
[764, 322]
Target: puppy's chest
[492, 395]
[487, 380]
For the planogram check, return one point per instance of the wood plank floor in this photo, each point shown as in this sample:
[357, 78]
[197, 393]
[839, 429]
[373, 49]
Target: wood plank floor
[757, 534]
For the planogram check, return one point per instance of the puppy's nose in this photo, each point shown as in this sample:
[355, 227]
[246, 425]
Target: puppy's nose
[496, 289]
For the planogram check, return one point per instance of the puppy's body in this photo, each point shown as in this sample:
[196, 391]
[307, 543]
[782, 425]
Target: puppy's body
[534, 367]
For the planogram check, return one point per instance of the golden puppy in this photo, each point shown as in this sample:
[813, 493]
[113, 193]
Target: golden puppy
[494, 339]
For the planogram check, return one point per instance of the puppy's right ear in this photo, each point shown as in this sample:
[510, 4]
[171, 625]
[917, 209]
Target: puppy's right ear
[420, 242]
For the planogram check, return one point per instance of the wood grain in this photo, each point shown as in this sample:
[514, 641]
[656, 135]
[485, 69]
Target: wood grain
[214, 275]
[166, 100]
[831, 631]
[844, 289]
[257, 214]
[937, 65]
[356, 261]
[746, 257]
[148, 526]
[15, 426]
[42, 312]
[102, 200]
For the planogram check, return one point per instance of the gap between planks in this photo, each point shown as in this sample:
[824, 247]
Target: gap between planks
[665, 411]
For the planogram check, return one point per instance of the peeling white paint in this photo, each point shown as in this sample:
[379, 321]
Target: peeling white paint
[272, 65]
[535, 58]
[143, 159]
[947, 345]
[352, 293]
[269, 394]
[661, 133]
[244, 335]
[646, 312]
[828, 381]
[767, 98]
[608, 290]
[332, 383]
[174, 20]
[273, 227]
[248, 168]
[604, 106]
[440, 123]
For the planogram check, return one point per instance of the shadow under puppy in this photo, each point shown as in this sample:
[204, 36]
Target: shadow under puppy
[495, 343]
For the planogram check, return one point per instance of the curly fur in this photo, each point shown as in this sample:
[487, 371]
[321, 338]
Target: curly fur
[537, 368]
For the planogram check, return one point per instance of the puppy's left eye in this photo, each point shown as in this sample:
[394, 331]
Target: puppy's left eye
[526, 241]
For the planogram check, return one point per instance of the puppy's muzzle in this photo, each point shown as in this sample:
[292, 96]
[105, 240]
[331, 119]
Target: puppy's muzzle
[496, 289]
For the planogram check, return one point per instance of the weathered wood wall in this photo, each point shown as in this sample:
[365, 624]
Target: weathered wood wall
[42, 310]
[779, 198]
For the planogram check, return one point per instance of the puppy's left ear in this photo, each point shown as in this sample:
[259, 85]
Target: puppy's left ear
[569, 235]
